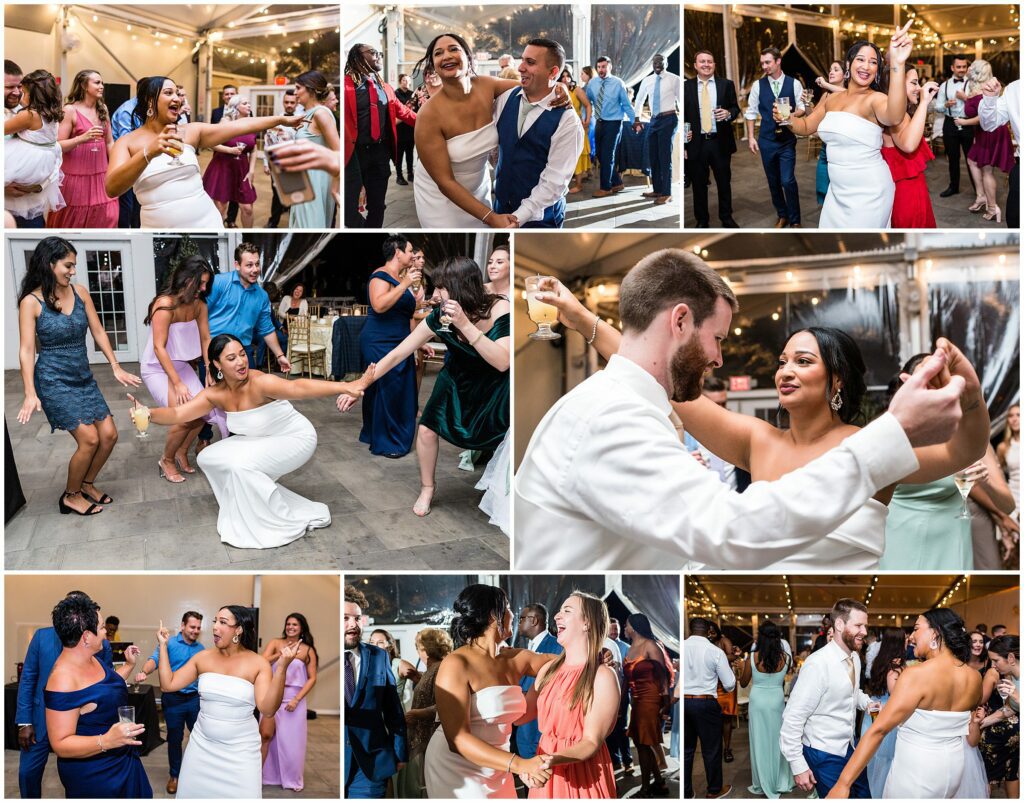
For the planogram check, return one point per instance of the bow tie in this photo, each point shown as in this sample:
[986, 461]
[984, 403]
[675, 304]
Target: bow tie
[958, 80]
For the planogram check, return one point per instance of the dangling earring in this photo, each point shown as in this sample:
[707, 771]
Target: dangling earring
[234, 640]
[220, 375]
[149, 112]
[933, 644]
[846, 75]
[837, 402]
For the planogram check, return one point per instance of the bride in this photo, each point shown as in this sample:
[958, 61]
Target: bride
[850, 123]
[820, 382]
[222, 759]
[478, 701]
[271, 439]
[933, 706]
[170, 190]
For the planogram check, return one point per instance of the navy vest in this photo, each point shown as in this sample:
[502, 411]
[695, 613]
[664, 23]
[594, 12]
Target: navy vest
[766, 100]
[521, 160]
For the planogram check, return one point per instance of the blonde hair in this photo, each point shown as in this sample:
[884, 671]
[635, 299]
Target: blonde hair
[435, 642]
[978, 73]
[595, 615]
[231, 109]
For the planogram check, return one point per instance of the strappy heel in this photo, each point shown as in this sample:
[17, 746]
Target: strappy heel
[92, 510]
[165, 476]
[103, 500]
[182, 469]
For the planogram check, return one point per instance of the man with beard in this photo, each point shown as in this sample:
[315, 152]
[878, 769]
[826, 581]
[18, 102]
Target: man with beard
[606, 482]
[12, 87]
[818, 724]
[375, 746]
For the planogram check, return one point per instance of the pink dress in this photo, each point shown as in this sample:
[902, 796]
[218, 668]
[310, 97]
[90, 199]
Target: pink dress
[286, 754]
[224, 179]
[561, 727]
[183, 344]
[85, 174]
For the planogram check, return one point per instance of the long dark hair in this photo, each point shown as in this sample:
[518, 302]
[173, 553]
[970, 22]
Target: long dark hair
[182, 285]
[1005, 646]
[890, 656]
[770, 652]
[392, 648]
[475, 607]
[908, 368]
[642, 627]
[146, 98]
[572, 79]
[952, 632]
[217, 345]
[77, 94]
[428, 59]
[305, 635]
[879, 84]
[244, 618]
[844, 362]
[315, 83]
[462, 278]
[40, 269]
[43, 95]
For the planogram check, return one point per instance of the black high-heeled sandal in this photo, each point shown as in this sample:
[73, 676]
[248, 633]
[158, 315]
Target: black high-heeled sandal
[92, 510]
[105, 500]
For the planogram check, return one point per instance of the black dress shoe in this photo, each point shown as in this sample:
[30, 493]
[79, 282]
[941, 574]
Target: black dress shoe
[946, 193]
[402, 182]
[704, 225]
[729, 223]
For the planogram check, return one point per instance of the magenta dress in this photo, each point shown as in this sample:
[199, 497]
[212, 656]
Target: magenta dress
[286, 754]
[990, 147]
[224, 179]
[85, 174]
[183, 344]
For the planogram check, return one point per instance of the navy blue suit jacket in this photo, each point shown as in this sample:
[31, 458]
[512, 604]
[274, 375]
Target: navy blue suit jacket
[528, 735]
[375, 719]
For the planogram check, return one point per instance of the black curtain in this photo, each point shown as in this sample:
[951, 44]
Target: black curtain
[752, 37]
[549, 590]
[411, 599]
[657, 596]
[815, 44]
[702, 30]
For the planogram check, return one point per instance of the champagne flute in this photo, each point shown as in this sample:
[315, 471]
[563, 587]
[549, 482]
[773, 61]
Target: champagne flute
[180, 134]
[964, 482]
[540, 313]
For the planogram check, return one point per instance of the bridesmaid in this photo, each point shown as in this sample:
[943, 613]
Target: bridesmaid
[577, 702]
[284, 734]
[228, 177]
[85, 138]
[320, 127]
[60, 382]
[96, 756]
[580, 105]
[767, 664]
[649, 675]
[405, 673]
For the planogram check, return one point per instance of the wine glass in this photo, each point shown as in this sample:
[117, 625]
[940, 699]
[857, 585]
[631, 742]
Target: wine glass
[540, 313]
[180, 135]
[964, 482]
[445, 320]
[807, 97]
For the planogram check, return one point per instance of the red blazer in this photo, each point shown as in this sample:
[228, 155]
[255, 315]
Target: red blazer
[396, 111]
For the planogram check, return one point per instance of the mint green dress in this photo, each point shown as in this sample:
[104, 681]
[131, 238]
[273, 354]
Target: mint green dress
[769, 770]
[318, 213]
[923, 532]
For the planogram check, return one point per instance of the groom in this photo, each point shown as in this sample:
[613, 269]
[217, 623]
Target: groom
[817, 731]
[538, 146]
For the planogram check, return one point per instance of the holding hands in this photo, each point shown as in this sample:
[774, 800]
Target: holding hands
[536, 771]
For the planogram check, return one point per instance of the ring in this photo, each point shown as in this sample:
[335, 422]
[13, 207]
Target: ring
[127, 730]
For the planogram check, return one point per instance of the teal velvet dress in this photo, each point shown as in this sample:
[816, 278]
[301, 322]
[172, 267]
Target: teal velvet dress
[770, 771]
[923, 531]
[470, 403]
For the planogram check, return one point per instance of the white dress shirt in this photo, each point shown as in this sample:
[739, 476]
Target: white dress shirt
[669, 95]
[948, 91]
[713, 95]
[534, 644]
[606, 484]
[704, 665]
[994, 112]
[563, 153]
[822, 706]
[356, 660]
[754, 98]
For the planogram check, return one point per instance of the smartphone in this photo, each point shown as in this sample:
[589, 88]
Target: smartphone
[293, 187]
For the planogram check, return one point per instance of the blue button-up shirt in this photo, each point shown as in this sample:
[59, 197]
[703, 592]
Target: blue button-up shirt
[179, 651]
[234, 310]
[121, 121]
[615, 103]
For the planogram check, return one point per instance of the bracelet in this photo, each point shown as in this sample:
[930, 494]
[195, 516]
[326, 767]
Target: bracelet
[593, 335]
[510, 760]
[474, 341]
[99, 743]
[145, 153]
[484, 218]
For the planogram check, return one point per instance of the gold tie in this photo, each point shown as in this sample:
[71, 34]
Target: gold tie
[705, 109]
[849, 670]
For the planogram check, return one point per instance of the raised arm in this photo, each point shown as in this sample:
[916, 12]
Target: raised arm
[207, 135]
[131, 655]
[384, 295]
[891, 108]
[597, 722]
[270, 682]
[174, 680]
[272, 650]
[277, 387]
[909, 133]
[496, 353]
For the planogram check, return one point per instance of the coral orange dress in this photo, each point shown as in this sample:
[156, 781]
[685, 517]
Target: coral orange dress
[561, 728]
[642, 675]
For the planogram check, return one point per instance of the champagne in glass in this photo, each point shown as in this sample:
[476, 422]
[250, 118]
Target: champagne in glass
[784, 110]
[175, 151]
[964, 482]
[807, 97]
[140, 417]
[540, 313]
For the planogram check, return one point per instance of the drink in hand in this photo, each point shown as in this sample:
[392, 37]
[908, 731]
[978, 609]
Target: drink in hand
[140, 417]
[544, 315]
[445, 321]
[784, 110]
[964, 482]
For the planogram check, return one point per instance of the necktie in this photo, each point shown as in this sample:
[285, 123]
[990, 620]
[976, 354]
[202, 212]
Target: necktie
[600, 97]
[705, 108]
[374, 110]
[524, 110]
[776, 87]
[849, 670]
[656, 103]
[350, 679]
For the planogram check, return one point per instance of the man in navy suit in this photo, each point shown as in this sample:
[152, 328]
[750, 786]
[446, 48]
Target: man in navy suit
[533, 625]
[375, 746]
[31, 713]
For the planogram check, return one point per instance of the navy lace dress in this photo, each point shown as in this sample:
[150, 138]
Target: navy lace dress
[64, 382]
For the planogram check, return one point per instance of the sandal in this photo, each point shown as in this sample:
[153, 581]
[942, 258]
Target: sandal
[103, 500]
[419, 511]
[165, 476]
[92, 510]
[183, 469]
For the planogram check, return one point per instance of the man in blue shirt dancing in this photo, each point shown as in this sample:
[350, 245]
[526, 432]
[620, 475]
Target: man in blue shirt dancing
[608, 96]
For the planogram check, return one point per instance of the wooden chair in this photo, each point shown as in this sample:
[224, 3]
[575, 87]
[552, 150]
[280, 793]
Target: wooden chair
[301, 349]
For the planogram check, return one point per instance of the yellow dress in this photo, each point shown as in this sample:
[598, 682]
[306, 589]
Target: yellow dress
[584, 162]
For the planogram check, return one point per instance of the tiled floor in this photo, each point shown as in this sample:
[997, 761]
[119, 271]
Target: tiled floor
[321, 775]
[157, 525]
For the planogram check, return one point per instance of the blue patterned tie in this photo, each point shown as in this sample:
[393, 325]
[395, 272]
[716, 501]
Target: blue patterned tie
[600, 97]
[350, 679]
[656, 103]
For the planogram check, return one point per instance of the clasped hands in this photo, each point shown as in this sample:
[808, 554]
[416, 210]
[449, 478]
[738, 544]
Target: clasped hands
[536, 771]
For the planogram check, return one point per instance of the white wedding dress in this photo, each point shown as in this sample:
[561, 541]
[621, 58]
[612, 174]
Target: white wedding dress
[468, 154]
[172, 196]
[856, 545]
[933, 759]
[861, 189]
[268, 442]
[496, 483]
[491, 714]
[222, 759]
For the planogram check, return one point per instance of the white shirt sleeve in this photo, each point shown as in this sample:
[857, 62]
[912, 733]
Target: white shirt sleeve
[725, 673]
[798, 90]
[939, 104]
[284, 306]
[646, 87]
[629, 475]
[803, 700]
[565, 150]
[753, 100]
[993, 112]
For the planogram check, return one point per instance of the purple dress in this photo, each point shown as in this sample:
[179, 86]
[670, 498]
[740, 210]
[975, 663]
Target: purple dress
[990, 147]
[286, 754]
[183, 344]
[224, 179]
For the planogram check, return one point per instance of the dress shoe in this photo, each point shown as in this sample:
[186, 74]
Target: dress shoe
[601, 193]
[401, 182]
[704, 225]
[724, 793]
[662, 199]
[412, 175]
[618, 188]
[172, 786]
[781, 223]
[946, 193]
[795, 226]
[650, 195]
[729, 223]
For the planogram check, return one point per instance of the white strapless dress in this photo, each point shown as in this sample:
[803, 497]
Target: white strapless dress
[255, 512]
[222, 759]
[468, 154]
[172, 196]
[496, 483]
[933, 759]
[861, 189]
[856, 545]
[491, 714]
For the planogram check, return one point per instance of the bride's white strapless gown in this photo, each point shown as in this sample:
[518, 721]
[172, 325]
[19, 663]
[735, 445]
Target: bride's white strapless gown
[861, 189]
[172, 196]
[468, 154]
[222, 759]
[491, 714]
[856, 545]
[268, 442]
[933, 759]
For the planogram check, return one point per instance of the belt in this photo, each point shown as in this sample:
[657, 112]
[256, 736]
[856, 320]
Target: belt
[699, 697]
[666, 114]
[708, 135]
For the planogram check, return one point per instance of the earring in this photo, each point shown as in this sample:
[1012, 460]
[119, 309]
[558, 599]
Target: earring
[220, 375]
[837, 402]
[846, 75]
[934, 644]
[234, 640]
[149, 112]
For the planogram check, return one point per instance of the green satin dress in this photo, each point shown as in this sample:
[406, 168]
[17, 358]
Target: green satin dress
[770, 771]
[923, 531]
[470, 403]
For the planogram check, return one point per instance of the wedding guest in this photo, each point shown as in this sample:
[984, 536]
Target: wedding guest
[710, 106]
[882, 672]
[705, 666]
[990, 151]
[766, 665]
[586, 76]
[608, 96]
[661, 89]
[60, 383]
[186, 110]
[533, 626]
[993, 112]
[949, 102]
[404, 672]
[294, 303]
[180, 708]
[648, 672]
[834, 83]
[123, 121]
[319, 127]
[581, 105]
[499, 267]
[728, 699]
[32, 155]
[1008, 451]
[229, 91]
[85, 138]
[617, 740]
[229, 175]
[507, 67]
[406, 145]
[1000, 735]
[375, 730]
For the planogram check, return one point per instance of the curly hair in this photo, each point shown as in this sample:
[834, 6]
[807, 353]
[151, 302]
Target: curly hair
[434, 642]
[356, 597]
[43, 95]
[73, 616]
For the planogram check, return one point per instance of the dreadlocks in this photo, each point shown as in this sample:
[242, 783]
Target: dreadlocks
[357, 67]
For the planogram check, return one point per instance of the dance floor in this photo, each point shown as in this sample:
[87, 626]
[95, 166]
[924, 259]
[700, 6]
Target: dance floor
[157, 525]
[321, 774]
[752, 207]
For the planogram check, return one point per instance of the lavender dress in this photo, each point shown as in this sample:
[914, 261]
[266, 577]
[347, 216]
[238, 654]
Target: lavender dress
[286, 755]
